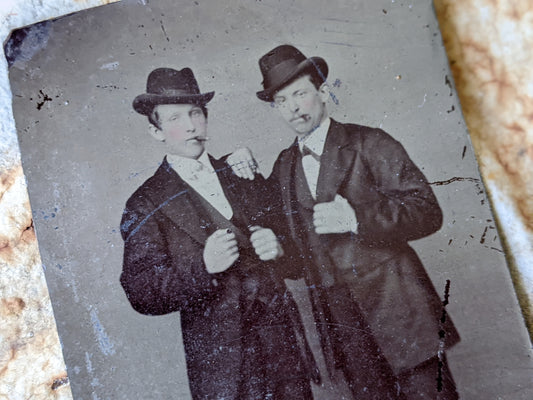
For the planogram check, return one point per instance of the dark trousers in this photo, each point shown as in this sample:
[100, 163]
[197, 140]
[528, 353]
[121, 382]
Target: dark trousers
[431, 380]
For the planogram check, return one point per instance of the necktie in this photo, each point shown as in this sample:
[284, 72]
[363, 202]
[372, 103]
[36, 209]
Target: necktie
[306, 151]
[196, 169]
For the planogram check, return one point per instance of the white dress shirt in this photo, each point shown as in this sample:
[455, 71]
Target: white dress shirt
[315, 142]
[201, 176]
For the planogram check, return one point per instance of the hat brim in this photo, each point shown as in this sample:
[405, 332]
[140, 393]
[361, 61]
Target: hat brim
[145, 103]
[310, 65]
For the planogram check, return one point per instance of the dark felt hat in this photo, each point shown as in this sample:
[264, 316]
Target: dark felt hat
[285, 63]
[169, 86]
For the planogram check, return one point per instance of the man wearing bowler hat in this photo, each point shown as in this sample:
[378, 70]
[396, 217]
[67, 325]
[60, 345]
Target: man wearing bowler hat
[353, 199]
[193, 243]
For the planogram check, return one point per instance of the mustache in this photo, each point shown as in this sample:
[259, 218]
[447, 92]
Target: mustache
[200, 138]
[305, 117]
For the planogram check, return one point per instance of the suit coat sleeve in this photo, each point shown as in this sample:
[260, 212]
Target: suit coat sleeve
[163, 269]
[398, 205]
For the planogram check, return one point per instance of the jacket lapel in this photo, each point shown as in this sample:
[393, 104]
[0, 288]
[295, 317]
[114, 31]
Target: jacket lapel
[175, 201]
[336, 162]
[287, 185]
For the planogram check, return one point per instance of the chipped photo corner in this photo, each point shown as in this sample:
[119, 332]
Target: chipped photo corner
[261, 200]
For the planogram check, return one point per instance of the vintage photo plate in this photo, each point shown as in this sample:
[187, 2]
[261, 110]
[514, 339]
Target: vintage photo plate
[85, 151]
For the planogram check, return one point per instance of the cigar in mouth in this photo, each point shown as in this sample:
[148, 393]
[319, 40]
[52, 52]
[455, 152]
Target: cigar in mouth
[200, 138]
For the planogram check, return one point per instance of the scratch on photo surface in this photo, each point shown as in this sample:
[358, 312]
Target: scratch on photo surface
[340, 44]
[134, 231]
[424, 101]
[105, 344]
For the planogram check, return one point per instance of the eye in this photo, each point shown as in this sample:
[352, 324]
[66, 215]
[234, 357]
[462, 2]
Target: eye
[279, 100]
[196, 112]
[301, 93]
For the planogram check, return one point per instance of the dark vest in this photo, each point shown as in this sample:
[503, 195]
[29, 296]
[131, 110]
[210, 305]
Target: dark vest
[320, 269]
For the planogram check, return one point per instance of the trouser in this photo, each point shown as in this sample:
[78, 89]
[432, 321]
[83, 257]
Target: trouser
[430, 380]
[352, 346]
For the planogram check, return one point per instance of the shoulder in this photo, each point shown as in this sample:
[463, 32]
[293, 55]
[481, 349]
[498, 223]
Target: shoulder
[360, 131]
[363, 137]
[287, 154]
[151, 185]
[142, 202]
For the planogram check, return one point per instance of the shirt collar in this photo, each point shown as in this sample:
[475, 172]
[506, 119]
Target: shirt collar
[316, 140]
[185, 165]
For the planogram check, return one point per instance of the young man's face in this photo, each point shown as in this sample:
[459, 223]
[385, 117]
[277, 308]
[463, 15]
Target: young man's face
[302, 105]
[183, 127]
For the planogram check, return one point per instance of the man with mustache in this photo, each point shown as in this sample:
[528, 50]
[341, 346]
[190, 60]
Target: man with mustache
[193, 243]
[352, 199]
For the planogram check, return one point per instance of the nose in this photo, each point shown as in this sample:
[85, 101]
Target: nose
[293, 105]
[189, 125]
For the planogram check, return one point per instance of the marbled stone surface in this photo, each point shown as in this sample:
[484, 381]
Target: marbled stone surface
[490, 49]
[31, 362]
[489, 44]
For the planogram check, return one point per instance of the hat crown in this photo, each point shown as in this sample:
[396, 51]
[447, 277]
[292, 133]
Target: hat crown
[170, 86]
[167, 80]
[279, 55]
[284, 63]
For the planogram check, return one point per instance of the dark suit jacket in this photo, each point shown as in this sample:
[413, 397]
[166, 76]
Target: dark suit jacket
[393, 203]
[238, 324]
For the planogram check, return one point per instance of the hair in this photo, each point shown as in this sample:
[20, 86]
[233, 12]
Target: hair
[153, 116]
[315, 77]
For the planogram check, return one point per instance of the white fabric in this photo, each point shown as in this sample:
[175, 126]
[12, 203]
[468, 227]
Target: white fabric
[201, 176]
[315, 142]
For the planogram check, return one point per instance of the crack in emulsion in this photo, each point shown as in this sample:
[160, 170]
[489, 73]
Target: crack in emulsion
[442, 336]
[455, 179]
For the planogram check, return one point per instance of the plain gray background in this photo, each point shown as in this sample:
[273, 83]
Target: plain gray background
[85, 151]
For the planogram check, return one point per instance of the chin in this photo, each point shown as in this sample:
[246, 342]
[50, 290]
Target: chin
[302, 130]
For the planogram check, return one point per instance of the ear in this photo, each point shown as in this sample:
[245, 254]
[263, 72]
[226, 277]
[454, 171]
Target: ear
[323, 91]
[156, 133]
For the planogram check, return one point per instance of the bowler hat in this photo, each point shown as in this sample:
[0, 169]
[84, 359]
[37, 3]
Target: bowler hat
[169, 86]
[285, 63]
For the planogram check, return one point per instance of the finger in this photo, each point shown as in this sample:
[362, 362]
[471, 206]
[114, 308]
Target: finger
[230, 247]
[266, 240]
[266, 250]
[262, 234]
[268, 255]
[253, 165]
[321, 207]
[231, 257]
[222, 235]
[247, 171]
[219, 233]
[321, 230]
[325, 229]
[266, 244]
[227, 261]
[227, 246]
[237, 170]
[233, 254]
[319, 220]
[321, 213]
[254, 228]
[225, 241]
[226, 234]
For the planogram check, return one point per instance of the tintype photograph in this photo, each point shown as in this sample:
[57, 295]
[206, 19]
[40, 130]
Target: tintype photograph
[262, 200]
